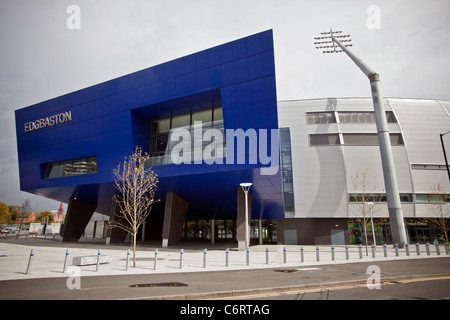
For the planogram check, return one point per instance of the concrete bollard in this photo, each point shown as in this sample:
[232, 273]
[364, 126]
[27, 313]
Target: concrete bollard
[227, 252]
[396, 249]
[347, 255]
[205, 251]
[317, 254]
[181, 258]
[98, 259]
[247, 254]
[128, 260]
[30, 260]
[446, 248]
[302, 254]
[156, 258]
[427, 247]
[65, 261]
[418, 249]
[332, 253]
[373, 250]
[407, 249]
[360, 251]
[438, 250]
[267, 255]
[284, 255]
[385, 250]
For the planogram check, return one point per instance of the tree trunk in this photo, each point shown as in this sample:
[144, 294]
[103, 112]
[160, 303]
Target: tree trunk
[134, 249]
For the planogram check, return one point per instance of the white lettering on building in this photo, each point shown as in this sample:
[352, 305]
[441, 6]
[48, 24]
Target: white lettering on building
[56, 119]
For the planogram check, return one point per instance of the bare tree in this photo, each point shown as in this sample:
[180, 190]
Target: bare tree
[24, 212]
[437, 204]
[137, 186]
[364, 201]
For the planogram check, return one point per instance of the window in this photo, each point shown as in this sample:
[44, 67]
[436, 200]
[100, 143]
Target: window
[370, 139]
[331, 139]
[286, 165]
[363, 117]
[378, 197]
[320, 117]
[428, 166]
[70, 167]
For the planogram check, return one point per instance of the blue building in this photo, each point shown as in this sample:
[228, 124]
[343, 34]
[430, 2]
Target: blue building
[68, 146]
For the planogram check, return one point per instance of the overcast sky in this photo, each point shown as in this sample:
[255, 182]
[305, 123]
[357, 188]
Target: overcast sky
[40, 58]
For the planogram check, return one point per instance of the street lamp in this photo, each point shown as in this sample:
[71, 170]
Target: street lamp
[387, 159]
[245, 187]
[445, 155]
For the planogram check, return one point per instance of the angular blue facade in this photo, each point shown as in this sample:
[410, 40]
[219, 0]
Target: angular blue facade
[106, 121]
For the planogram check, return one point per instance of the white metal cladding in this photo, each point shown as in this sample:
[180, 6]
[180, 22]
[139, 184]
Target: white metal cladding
[322, 174]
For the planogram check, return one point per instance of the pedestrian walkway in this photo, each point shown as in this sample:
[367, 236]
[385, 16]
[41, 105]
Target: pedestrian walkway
[49, 256]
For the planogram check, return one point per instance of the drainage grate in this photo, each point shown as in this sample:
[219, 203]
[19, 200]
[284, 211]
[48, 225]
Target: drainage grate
[160, 284]
[286, 270]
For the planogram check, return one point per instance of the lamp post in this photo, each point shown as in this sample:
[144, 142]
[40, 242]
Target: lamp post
[387, 159]
[445, 155]
[245, 187]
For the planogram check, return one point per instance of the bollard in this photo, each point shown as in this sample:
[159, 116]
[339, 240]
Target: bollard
[418, 249]
[332, 253]
[427, 247]
[128, 260]
[156, 258]
[360, 251]
[407, 249]
[446, 248]
[30, 260]
[267, 255]
[226, 256]
[65, 261]
[396, 249]
[204, 257]
[302, 255]
[181, 258]
[385, 250]
[373, 250]
[347, 255]
[247, 256]
[317, 254]
[98, 259]
[284, 255]
[438, 250]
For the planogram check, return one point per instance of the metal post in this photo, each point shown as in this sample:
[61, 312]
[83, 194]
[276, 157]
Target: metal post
[302, 254]
[128, 260]
[181, 259]
[65, 261]
[98, 259]
[446, 248]
[438, 250]
[205, 251]
[385, 250]
[407, 249]
[284, 255]
[267, 255]
[427, 247]
[332, 253]
[226, 257]
[317, 254]
[445, 155]
[387, 159]
[360, 251]
[396, 249]
[373, 250]
[347, 256]
[247, 253]
[418, 249]
[30, 260]
[156, 258]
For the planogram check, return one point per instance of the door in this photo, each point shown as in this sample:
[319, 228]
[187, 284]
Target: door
[290, 236]
[337, 237]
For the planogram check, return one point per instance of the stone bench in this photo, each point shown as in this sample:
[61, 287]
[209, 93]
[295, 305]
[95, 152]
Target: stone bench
[90, 260]
[4, 252]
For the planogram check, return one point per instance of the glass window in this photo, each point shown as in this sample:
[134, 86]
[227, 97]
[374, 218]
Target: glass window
[370, 139]
[71, 167]
[320, 117]
[218, 114]
[162, 125]
[182, 120]
[204, 116]
[324, 139]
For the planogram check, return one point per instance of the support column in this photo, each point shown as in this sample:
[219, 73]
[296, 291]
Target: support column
[260, 234]
[241, 217]
[115, 235]
[212, 231]
[174, 216]
[77, 217]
